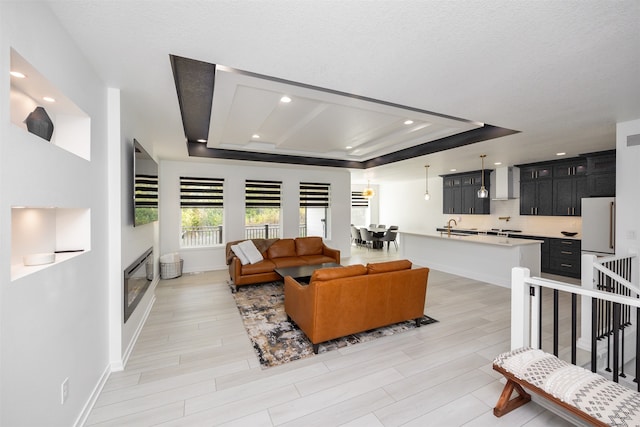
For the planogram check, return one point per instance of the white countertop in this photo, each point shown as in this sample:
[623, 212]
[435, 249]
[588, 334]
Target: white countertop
[481, 239]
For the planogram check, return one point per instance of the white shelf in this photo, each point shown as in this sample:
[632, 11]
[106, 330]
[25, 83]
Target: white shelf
[72, 126]
[44, 230]
[20, 270]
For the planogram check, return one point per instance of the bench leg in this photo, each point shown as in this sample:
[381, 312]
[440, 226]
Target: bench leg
[506, 404]
[316, 347]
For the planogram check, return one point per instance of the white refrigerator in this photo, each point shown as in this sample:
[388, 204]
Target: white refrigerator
[599, 225]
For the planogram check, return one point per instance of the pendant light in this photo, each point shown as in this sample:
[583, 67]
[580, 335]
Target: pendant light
[427, 196]
[482, 192]
[368, 192]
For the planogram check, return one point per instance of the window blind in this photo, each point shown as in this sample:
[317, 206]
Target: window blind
[201, 192]
[358, 200]
[314, 195]
[262, 194]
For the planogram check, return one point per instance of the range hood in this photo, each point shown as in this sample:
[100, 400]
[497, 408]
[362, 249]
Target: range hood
[504, 183]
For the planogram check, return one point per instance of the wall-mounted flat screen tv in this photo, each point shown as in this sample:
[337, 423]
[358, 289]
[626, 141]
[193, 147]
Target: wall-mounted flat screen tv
[145, 188]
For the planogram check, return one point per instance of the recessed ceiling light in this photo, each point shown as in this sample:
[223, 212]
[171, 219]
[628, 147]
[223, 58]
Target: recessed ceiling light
[255, 136]
[408, 122]
[17, 74]
[452, 170]
[49, 99]
[285, 99]
[560, 154]
[497, 163]
[348, 147]
[202, 140]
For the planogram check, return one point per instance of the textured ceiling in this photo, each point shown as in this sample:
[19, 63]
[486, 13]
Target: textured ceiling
[559, 72]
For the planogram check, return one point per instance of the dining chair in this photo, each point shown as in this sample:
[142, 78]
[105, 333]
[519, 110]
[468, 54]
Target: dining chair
[355, 236]
[373, 225]
[390, 236]
[382, 226]
[367, 237]
[393, 227]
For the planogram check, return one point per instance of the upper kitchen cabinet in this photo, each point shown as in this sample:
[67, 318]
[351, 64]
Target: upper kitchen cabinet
[460, 193]
[536, 189]
[569, 187]
[601, 173]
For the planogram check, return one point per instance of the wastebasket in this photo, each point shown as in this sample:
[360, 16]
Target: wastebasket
[171, 266]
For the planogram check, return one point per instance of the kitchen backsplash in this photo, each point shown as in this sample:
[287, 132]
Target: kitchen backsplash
[537, 225]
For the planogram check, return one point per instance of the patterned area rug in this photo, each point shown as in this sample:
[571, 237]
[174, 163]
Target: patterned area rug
[277, 341]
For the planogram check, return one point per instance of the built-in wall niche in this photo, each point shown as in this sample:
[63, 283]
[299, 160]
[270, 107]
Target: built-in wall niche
[30, 90]
[38, 232]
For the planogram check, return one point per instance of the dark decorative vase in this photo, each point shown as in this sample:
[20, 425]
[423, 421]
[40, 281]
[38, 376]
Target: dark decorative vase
[39, 123]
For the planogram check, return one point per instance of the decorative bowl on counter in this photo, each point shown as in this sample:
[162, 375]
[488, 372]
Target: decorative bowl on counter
[569, 233]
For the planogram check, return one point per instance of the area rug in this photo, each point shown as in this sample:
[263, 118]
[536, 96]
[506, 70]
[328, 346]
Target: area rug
[277, 341]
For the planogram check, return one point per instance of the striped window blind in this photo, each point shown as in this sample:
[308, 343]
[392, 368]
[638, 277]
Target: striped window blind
[314, 195]
[358, 200]
[201, 192]
[262, 194]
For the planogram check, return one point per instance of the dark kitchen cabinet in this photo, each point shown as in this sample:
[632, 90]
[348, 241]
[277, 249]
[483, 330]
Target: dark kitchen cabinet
[452, 200]
[536, 172]
[536, 197]
[567, 195]
[460, 194]
[564, 257]
[554, 188]
[601, 174]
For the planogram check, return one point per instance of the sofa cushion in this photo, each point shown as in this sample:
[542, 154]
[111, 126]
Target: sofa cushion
[316, 259]
[338, 272]
[309, 246]
[264, 266]
[385, 267]
[287, 261]
[237, 250]
[282, 248]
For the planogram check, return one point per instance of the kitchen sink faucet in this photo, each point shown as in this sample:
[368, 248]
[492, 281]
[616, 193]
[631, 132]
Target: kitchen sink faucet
[449, 226]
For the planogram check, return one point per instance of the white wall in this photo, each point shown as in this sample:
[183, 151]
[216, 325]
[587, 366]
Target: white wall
[134, 241]
[54, 322]
[627, 181]
[235, 174]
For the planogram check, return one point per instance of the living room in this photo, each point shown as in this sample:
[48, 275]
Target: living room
[65, 322]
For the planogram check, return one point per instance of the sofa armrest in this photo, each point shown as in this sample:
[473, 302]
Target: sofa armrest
[333, 253]
[299, 304]
[235, 268]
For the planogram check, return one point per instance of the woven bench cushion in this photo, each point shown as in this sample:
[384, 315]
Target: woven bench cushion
[593, 394]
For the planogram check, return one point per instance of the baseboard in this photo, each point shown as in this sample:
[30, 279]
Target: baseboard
[132, 343]
[93, 397]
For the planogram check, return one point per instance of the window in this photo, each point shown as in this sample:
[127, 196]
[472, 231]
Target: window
[359, 208]
[262, 209]
[314, 208]
[201, 205]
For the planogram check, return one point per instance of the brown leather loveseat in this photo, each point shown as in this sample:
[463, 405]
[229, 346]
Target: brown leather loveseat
[278, 253]
[346, 300]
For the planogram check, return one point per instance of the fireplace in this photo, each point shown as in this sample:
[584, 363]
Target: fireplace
[137, 278]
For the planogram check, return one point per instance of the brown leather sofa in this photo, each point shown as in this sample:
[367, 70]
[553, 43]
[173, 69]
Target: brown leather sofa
[278, 253]
[346, 300]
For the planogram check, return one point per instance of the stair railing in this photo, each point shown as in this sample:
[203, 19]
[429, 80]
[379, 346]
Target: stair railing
[526, 315]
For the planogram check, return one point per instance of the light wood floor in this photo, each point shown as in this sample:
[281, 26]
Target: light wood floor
[193, 365]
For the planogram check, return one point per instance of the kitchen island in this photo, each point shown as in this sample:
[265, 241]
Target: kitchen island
[479, 257]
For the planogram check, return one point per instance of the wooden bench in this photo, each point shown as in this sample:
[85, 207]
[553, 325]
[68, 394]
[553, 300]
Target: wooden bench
[587, 395]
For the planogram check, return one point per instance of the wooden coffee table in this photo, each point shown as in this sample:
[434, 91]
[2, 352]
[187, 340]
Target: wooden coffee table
[303, 272]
